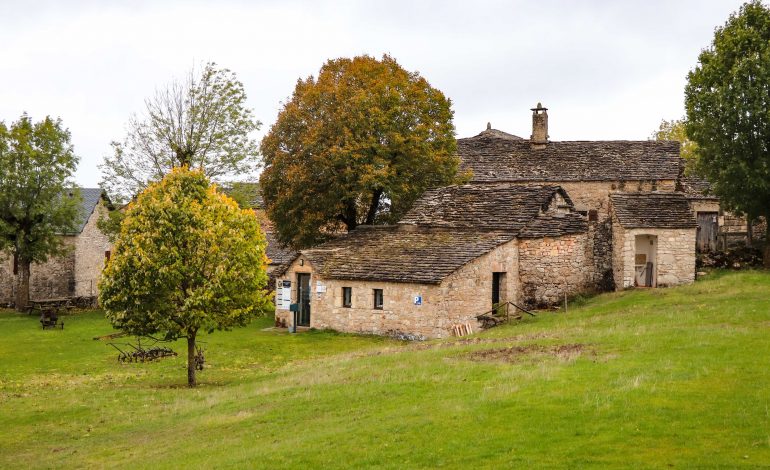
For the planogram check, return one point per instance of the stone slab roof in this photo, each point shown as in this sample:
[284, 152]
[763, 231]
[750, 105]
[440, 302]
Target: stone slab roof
[652, 210]
[278, 254]
[553, 225]
[90, 198]
[408, 254]
[494, 159]
[483, 206]
[494, 133]
[695, 187]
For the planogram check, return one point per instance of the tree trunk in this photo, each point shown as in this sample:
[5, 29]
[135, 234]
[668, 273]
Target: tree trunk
[373, 206]
[766, 252]
[749, 230]
[191, 381]
[22, 285]
[349, 218]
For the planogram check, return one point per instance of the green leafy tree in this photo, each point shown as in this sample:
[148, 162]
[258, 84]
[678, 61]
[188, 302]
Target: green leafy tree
[675, 129]
[201, 122]
[356, 145]
[187, 260]
[728, 112]
[37, 202]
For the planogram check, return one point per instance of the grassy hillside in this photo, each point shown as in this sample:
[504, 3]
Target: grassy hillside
[656, 378]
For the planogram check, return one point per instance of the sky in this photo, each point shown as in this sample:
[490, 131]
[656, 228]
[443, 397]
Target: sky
[605, 69]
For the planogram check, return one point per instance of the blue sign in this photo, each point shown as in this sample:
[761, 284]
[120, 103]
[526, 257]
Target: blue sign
[418, 300]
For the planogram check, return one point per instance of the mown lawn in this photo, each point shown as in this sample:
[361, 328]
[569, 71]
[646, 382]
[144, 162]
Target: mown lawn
[638, 379]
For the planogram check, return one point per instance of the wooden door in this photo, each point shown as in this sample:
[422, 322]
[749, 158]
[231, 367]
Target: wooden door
[708, 229]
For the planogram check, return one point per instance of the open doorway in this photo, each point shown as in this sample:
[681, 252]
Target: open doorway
[646, 261]
[498, 289]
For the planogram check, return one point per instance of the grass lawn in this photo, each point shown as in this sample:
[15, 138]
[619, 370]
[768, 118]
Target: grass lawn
[637, 379]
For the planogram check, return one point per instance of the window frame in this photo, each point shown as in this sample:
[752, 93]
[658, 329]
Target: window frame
[347, 297]
[381, 298]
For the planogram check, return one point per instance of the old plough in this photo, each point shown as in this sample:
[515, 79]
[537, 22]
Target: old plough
[128, 352]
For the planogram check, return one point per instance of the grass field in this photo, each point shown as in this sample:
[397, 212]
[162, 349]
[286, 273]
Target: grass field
[639, 379]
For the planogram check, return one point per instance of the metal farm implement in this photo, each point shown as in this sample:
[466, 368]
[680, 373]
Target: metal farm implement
[128, 352]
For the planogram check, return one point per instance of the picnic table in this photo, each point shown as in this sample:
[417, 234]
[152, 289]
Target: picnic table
[49, 311]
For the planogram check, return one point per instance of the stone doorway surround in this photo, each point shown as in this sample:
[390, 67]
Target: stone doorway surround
[646, 260]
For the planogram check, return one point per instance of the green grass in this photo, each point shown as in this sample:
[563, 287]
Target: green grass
[666, 378]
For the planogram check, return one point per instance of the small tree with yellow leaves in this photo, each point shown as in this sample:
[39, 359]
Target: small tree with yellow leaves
[187, 260]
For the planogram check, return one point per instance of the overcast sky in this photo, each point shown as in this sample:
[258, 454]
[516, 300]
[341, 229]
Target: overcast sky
[605, 69]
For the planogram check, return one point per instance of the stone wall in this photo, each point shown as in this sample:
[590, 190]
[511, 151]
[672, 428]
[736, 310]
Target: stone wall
[704, 205]
[551, 267]
[6, 279]
[675, 260]
[595, 195]
[90, 248]
[74, 273]
[56, 277]
[457, 300]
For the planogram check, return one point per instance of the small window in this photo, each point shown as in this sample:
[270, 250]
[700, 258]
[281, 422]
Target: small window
[107, 255]
[347, 297]
[593, 215]
[15, 264]
[378, 299]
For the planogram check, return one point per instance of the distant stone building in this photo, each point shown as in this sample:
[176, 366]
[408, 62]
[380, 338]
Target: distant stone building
[77, 272]
[538, 221]
[588, 170]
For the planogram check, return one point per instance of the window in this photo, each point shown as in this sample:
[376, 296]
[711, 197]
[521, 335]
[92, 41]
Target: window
[15, 264]
[593, 215]
[347, 297]
[378, 299]
[107, 255]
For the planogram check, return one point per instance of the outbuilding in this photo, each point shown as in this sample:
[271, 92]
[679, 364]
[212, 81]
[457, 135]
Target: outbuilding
[653, 239]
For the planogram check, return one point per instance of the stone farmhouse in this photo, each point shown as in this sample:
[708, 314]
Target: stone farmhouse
[77, 272]
[539, 220]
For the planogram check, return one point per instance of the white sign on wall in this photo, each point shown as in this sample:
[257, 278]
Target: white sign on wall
[320, 287]
[283, 295]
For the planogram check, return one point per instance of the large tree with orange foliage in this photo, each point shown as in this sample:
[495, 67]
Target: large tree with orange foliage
[356, 145]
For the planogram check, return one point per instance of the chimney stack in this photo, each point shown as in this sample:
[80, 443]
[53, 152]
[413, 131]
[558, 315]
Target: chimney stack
[539, 137]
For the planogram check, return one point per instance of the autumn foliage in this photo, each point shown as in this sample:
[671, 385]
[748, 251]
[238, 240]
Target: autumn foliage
[187, 260]
[355, 145]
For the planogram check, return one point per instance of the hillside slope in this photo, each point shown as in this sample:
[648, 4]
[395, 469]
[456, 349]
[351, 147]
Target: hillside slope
[656, 378]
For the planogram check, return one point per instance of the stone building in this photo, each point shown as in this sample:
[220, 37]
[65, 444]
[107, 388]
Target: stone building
[653, 239]
[458, 252]
[76, 273]
[539, 220]
[588, 170]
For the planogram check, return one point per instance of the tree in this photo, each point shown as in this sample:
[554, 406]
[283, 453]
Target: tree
[675, 129]
[357, 145]
[187, 260]
[37, 202]
[728, 113]
[202, 122]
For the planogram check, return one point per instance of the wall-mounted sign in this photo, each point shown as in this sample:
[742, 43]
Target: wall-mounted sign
[320, 287]
[283, 295]
[418, 300]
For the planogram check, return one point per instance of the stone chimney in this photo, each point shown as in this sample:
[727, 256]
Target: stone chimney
[539, 137]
